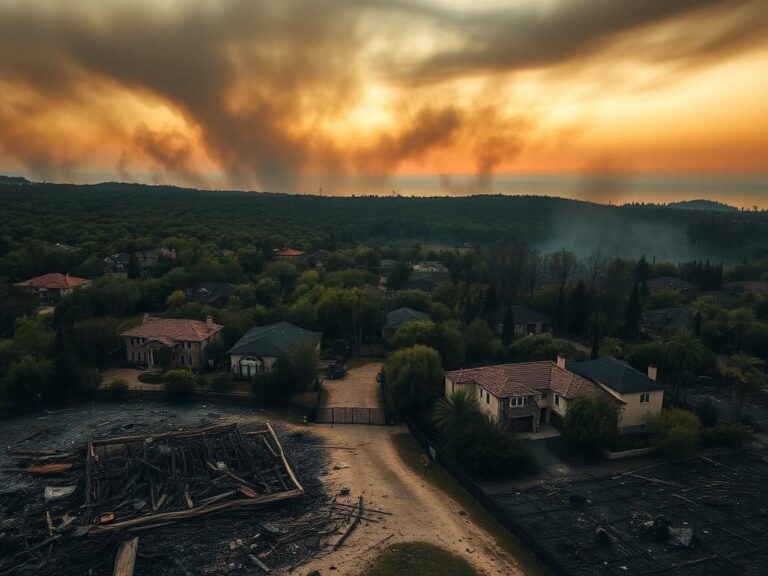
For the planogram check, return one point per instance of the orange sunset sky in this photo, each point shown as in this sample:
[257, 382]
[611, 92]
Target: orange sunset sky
[291, 95]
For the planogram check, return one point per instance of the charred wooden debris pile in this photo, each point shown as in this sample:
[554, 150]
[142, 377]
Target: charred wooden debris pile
[100, 499]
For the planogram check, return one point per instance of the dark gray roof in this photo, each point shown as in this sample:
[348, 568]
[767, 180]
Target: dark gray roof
[615, 374]
[522, 315]
[210, 292]
[273, 340]
[426, 281]
[403, 315]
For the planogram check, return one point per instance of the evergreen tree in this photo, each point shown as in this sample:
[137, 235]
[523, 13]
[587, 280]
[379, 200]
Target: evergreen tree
[134, 267]
[578, 307]
[633, 312]
[508, 330]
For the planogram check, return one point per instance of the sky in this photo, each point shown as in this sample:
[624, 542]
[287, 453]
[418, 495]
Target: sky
[367, 96]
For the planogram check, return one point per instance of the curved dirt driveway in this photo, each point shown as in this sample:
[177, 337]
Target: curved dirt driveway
[420, 512]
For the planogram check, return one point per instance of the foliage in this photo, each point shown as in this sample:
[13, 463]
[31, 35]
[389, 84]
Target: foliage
[28, 379]
[589, 422]
[481, 448]
[222, 382]
[478, 338]
[413, 377]
[611, 347]
[452, 412]
[674, 432]
[746, 374]
[180, 384]
[414, 332]
[399, 275]
[724, 435]
[708, 413]
[152, 378]
[116, 390]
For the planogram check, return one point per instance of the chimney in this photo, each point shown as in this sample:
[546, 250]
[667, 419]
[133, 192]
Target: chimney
[146, 317]
[560, 362]
[652, 371]
[209, 321]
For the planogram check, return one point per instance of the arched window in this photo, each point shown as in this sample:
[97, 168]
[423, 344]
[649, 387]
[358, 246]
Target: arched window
[250, 366]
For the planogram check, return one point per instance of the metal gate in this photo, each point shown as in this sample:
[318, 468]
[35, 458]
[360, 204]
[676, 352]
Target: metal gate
[371, 416]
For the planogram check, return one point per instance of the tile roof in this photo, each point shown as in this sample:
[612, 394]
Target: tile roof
[173, 330]
[54, 281]
[527, 378]
[287, 252]
[273, 340]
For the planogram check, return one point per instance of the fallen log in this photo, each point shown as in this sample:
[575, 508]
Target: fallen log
[126, 557]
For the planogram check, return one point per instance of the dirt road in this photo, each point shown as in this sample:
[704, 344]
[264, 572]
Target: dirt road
[420, 512]
[358, 389]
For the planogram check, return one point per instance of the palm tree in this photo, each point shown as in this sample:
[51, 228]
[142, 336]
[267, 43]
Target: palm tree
[454, 410]
[746, 373]
[610, 347]
[685, 353]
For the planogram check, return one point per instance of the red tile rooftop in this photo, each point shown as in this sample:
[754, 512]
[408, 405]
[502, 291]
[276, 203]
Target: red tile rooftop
[54, 281]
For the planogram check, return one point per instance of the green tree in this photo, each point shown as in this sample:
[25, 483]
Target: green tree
[32, 337]
[134, 267]
[633, 312]
[451, 413]
[478, 339]
[685, 355]
[176, 299]
[399, 275]
[413, 377]
[589, 421]
[611, 347]
[180, 384]
[28, 380]
[674, 432]
[414, 332]
[578, 308]
[746, 374]
[450, 344]
[508, 329]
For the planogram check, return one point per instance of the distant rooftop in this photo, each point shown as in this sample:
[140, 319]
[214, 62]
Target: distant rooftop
[615, 374]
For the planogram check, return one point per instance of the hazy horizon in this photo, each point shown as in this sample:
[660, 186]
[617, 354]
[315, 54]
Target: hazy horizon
[738, 190]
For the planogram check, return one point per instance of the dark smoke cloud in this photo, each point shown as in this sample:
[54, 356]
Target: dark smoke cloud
[511, 39]
[258, 80]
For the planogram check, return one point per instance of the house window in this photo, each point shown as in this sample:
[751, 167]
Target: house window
[487, 398]
[453, 387]
[557, 400]
[517, 402]
[543, 395]
[645, 398]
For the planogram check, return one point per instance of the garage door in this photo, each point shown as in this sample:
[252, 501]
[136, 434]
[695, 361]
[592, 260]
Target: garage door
[521, 424]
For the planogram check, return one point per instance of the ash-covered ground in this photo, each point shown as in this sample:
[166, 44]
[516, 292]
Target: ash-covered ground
[208, 545]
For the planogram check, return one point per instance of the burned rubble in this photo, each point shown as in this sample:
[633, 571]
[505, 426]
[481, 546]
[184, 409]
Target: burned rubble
[700, 516]
[219, 499]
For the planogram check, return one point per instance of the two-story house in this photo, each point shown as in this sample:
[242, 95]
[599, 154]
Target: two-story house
[523, 396]
[170, 342]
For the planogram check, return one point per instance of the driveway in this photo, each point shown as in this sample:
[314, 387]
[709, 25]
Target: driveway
[358, 389]
[130, 375]
[365, 460]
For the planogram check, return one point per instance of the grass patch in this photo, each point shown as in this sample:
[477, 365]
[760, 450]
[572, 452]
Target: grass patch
[412, 455]
[418, 558]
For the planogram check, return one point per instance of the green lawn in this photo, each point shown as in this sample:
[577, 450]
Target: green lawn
[419, 559]
[412, 455]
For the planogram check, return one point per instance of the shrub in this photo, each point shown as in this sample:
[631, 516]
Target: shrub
[589, 422]
[674, 432]
[482, 449]
[222, 382]
[151, 378]
[116, 390]
[707, 413]
[179, 384]
[724, 435]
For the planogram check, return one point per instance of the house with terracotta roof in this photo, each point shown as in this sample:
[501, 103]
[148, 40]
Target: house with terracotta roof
[522, 396]
[50, 288]
[287, 253]
[170, 342]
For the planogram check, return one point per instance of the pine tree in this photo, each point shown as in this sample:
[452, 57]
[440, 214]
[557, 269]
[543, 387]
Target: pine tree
[508, 330]
[633, 312]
